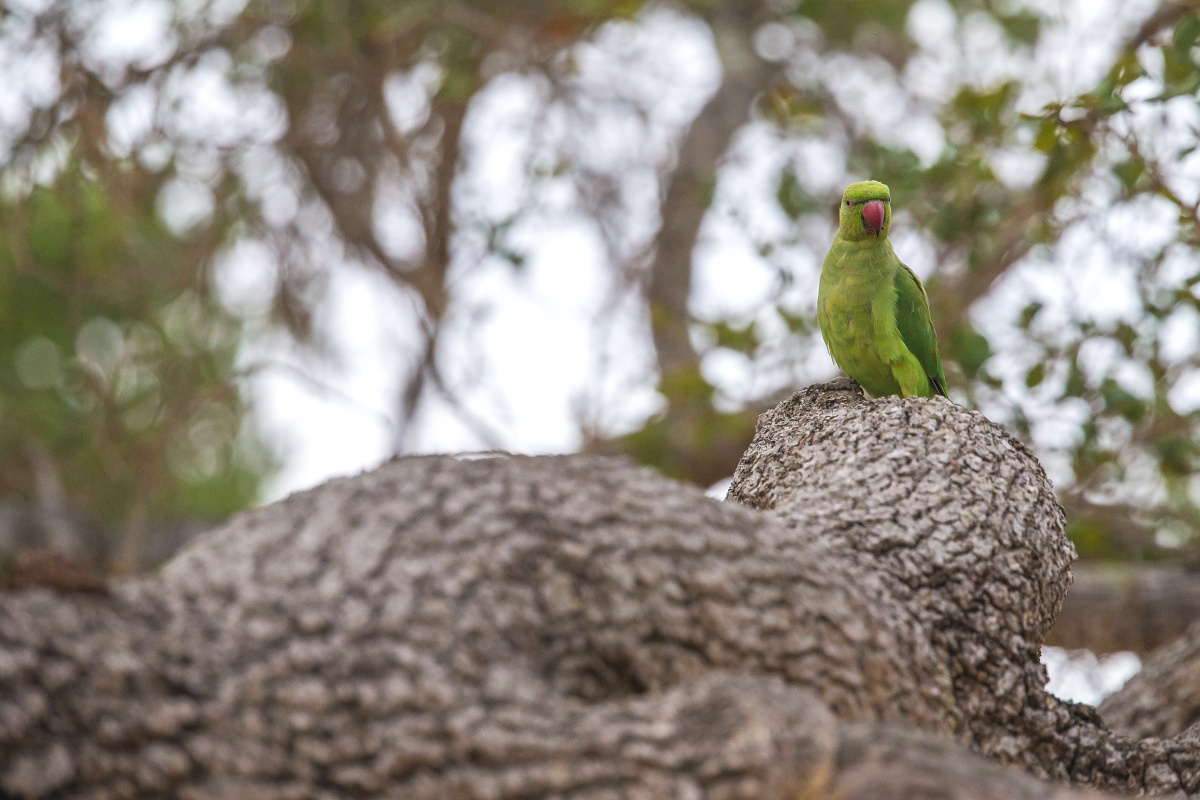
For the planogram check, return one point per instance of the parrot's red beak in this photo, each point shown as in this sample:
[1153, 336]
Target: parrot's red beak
[873, 214]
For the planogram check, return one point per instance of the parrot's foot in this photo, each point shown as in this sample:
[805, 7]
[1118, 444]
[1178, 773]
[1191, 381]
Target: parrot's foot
[842, 384]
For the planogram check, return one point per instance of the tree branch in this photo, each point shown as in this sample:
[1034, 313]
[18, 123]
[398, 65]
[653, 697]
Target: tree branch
[1163, 699]
[581, 628]
[1118, 607]
[690, 189]
[1163, 17]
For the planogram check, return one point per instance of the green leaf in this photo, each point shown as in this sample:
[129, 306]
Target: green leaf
[1047, 135]
[796, 323]
[1128, 172]
[1176, 455]
[1076, 382]
[1126, 336]
[1118, 399]
[970, 348]
[1187, 85]
[1036, 374]
[50, 227]
[793, 199]
[1091, 539]
[517, 259]
[987, 111]
[1127, 69]
[687, 385]
[1181, 75]
[1023, 27]
[743, 339]
[1186, 34]
[1028, 313]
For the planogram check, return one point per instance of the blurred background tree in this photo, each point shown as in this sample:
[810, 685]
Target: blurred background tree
[181, 184]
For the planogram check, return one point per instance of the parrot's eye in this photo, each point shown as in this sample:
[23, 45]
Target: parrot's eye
[847, 202]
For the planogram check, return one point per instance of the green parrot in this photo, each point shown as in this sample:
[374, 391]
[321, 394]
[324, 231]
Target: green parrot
[872, 310]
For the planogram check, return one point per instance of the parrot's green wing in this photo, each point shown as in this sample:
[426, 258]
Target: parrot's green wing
[916, 327]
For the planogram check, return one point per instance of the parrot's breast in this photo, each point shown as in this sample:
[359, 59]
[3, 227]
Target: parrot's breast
[844, 316]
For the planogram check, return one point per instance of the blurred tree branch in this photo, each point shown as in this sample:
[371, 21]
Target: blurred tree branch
[689, 192]
[693, 440]
[1115, 607]
[1164, 17]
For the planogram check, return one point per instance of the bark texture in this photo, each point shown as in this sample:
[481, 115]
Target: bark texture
[576, 627]
[959, 521]
[441, 624]
[883, 762]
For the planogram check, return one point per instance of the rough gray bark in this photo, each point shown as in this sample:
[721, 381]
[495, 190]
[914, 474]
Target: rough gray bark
[959, 521]
[1163, 699]
[1114, 608]
[884, 762]
[579, 628]
[439, 615]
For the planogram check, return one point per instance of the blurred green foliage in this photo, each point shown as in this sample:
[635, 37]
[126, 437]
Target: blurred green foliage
[116, 365]
[118, 359]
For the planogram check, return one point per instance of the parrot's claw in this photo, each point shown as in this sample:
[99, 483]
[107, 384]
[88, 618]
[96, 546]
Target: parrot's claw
[843, 384]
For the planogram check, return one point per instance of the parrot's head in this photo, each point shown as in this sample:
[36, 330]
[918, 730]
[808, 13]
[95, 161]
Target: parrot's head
[866, 211]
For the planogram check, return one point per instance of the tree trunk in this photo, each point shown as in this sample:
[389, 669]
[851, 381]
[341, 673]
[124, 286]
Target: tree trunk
[577, 627]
